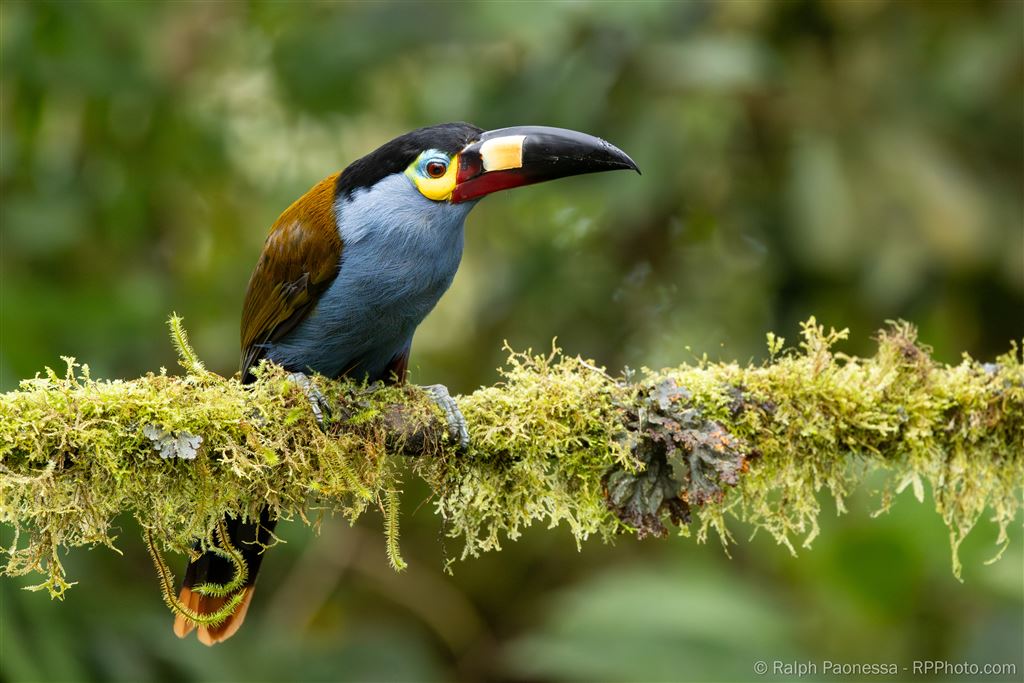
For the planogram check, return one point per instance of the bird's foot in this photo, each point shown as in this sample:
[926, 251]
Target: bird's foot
[457, 428]
[317, 401]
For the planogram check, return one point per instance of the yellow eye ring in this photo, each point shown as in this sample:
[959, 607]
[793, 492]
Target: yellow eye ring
[433, 174]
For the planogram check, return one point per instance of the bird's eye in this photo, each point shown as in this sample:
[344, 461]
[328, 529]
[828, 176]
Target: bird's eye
[432, 173]
[436, 169]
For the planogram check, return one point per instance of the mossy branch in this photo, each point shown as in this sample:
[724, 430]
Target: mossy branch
[557, 441]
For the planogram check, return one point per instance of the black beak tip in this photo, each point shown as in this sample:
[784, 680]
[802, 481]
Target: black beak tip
[621, 157]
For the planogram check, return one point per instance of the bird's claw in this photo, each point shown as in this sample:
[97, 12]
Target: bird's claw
[457, 428]
[317, 401]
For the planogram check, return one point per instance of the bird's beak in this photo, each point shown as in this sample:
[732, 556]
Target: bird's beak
[523, 155]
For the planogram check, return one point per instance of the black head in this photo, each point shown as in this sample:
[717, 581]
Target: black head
[395, 156]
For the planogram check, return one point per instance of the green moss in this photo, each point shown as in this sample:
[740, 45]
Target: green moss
[74, 453]
[541, 442]
[546, 441]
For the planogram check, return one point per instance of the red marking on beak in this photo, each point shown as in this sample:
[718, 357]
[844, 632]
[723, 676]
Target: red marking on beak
[485, 184]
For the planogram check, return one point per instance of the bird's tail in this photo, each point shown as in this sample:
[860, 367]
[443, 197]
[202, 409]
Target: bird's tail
[248, 541]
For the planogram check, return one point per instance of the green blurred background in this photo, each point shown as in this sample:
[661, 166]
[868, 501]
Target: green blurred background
[859, 160]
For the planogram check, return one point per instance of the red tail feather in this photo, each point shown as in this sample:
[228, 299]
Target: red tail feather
[203, 604]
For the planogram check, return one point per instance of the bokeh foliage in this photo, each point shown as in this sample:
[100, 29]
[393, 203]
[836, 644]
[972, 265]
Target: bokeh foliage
[858, 160]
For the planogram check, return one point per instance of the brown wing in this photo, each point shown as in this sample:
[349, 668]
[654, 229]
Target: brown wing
[299, 261]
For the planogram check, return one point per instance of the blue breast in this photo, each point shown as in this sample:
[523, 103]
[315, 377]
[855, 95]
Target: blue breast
[400, 252]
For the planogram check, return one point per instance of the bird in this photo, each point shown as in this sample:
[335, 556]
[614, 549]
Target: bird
[352, 267]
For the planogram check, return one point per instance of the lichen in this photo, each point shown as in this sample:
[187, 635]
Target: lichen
[681, 460]
[557, 441]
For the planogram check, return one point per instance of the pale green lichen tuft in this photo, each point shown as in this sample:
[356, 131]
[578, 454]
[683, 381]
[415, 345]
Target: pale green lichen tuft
[391, 513]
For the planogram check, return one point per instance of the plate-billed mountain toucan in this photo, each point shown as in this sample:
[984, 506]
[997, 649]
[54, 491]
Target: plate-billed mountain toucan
[353, 267]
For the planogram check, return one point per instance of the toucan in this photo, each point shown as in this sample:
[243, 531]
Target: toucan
[352, 267]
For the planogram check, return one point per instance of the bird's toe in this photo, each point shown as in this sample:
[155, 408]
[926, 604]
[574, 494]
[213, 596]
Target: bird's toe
[317, 401]
[458, 430]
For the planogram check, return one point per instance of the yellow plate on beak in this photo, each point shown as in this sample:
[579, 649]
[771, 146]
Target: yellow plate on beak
[499, 154]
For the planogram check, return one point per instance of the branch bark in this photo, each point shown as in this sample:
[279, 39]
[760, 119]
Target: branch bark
[558, 440]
